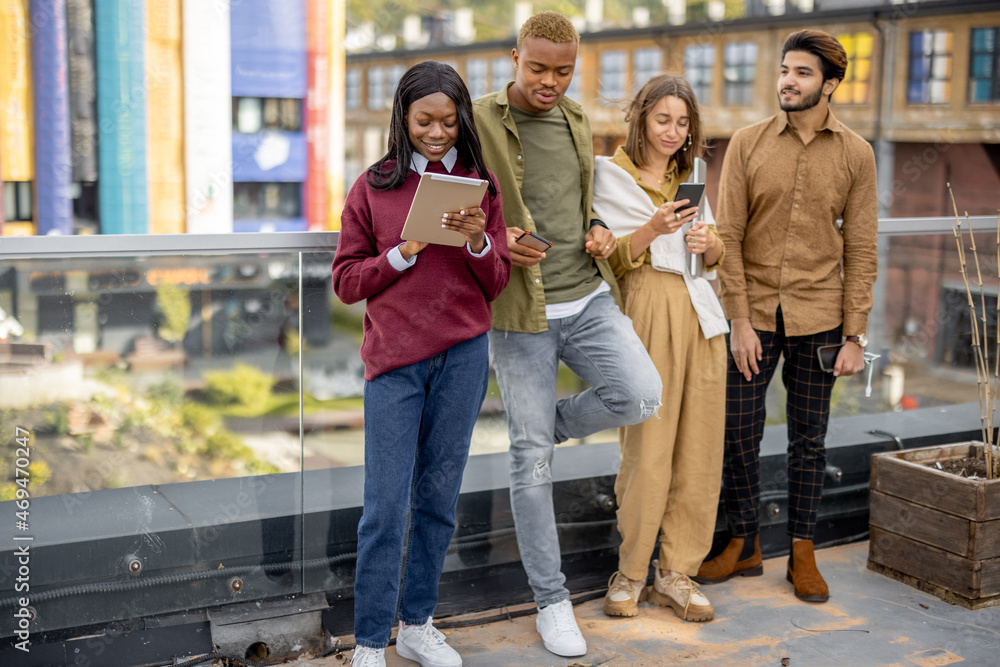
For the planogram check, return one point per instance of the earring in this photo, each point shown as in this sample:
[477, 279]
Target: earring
[687, 144]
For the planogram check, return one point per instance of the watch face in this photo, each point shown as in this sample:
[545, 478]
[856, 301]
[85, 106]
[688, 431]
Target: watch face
[863, 340]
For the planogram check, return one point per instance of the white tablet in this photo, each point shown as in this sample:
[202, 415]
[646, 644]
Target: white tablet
[436, 195]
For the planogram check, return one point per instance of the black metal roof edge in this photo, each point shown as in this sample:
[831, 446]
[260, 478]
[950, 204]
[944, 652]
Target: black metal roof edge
[271, 495]
[886, 11]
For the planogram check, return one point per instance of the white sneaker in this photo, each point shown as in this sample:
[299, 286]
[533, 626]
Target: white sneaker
[560, 634]
[368, 657]
[426, 644]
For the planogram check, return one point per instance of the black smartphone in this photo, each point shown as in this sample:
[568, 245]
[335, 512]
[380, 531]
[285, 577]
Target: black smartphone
[690, 191]
[533, 240]
[828, 357]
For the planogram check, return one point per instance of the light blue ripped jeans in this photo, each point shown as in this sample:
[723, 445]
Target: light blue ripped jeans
[600, 345]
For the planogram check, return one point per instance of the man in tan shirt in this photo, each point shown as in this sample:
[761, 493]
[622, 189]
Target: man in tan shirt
[795, 279]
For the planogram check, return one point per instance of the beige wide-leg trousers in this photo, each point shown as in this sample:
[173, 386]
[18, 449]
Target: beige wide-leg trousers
[671, 468]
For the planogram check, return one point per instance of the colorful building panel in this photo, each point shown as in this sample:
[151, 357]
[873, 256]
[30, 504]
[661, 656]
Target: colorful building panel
[269, 48]
[317, 116]
[53, 164]
[121, 113]
[17, 148]
[270, 115]
[208, 120]
[82, 89]
[165, 82]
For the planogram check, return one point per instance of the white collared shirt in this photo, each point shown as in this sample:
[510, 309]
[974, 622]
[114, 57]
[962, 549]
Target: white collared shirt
[418, 163]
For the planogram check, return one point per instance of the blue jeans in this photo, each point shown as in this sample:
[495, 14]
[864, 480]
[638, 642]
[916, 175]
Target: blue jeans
[418, 425]
[600, 345]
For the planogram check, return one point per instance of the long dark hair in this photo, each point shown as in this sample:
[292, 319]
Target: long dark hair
[643, 104]
[419, 81]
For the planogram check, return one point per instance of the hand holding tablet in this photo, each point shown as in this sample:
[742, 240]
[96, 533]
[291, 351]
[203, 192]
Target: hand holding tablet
[438, 203]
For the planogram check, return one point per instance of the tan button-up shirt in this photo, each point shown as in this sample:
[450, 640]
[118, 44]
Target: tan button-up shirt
[779, 202]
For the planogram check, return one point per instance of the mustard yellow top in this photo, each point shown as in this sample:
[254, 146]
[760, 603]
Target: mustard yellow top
[621, 260]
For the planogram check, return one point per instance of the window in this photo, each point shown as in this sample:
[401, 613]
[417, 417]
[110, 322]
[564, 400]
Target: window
[575, 89]
[930, 67]
[613, 76]
[646, 64]
[376, 88]
[854, 88]
[740, 64]
[503, 71]
[84, 194]
[984, 59]
[352, 89]
[393, 75]
[699, 61]
[475, 77]
[17, 201]
[248, 116]
[254, 114]
[255, 201]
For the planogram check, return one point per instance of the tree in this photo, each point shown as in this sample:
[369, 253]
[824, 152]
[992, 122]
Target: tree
[175, 304]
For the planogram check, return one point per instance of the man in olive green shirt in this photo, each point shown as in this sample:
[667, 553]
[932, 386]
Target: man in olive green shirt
[795, 280]
[560, 305]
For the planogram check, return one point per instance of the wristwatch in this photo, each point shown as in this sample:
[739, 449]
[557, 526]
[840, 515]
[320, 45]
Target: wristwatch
[861, 340]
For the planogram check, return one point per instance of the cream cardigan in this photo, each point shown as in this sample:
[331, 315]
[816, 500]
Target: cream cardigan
[625, 207]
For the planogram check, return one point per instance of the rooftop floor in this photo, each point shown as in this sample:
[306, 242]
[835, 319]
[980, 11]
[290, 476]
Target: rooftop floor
[869, 620]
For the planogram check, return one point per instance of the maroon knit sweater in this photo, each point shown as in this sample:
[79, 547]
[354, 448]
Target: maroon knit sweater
[442, 300]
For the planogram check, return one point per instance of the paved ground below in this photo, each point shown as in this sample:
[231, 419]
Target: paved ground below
[869, 620]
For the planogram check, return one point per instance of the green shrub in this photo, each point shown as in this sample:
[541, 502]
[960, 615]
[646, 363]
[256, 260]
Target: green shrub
[200, 419]
[168, 392]
[258, 467]
[57, 419]
[40, 472]
[175, 304]
[225, 444]
[243, 385]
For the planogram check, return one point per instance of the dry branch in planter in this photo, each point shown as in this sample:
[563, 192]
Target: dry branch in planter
[989, 383]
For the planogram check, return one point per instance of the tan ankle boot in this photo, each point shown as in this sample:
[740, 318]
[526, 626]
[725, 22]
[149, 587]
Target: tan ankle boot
[727, 565]
[809, 583]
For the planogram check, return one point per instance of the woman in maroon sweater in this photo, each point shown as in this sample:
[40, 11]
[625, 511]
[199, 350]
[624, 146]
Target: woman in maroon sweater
[426, 359]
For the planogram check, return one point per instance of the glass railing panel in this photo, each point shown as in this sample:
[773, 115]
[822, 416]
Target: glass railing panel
[157, 396]
[162, 390]
[920, 325]
[927, 340]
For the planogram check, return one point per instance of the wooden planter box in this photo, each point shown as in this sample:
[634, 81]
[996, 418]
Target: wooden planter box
[934, 530]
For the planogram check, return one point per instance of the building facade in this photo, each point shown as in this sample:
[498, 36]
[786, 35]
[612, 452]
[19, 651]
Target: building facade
[165, 116]
[923, 85]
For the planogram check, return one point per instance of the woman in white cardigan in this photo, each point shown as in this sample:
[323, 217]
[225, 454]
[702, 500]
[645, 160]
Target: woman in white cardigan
[671, 469]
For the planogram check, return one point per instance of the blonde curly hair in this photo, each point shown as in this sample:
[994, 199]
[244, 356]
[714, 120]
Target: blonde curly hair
[552, 26]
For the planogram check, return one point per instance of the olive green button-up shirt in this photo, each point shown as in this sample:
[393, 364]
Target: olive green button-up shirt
[521, 306]
[779, 205]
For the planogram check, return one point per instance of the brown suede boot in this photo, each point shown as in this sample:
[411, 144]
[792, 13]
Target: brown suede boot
[727, 565]
[809, 583]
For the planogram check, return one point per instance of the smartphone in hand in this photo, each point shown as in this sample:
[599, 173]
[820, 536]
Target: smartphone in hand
[534, 241]
[691, 192]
